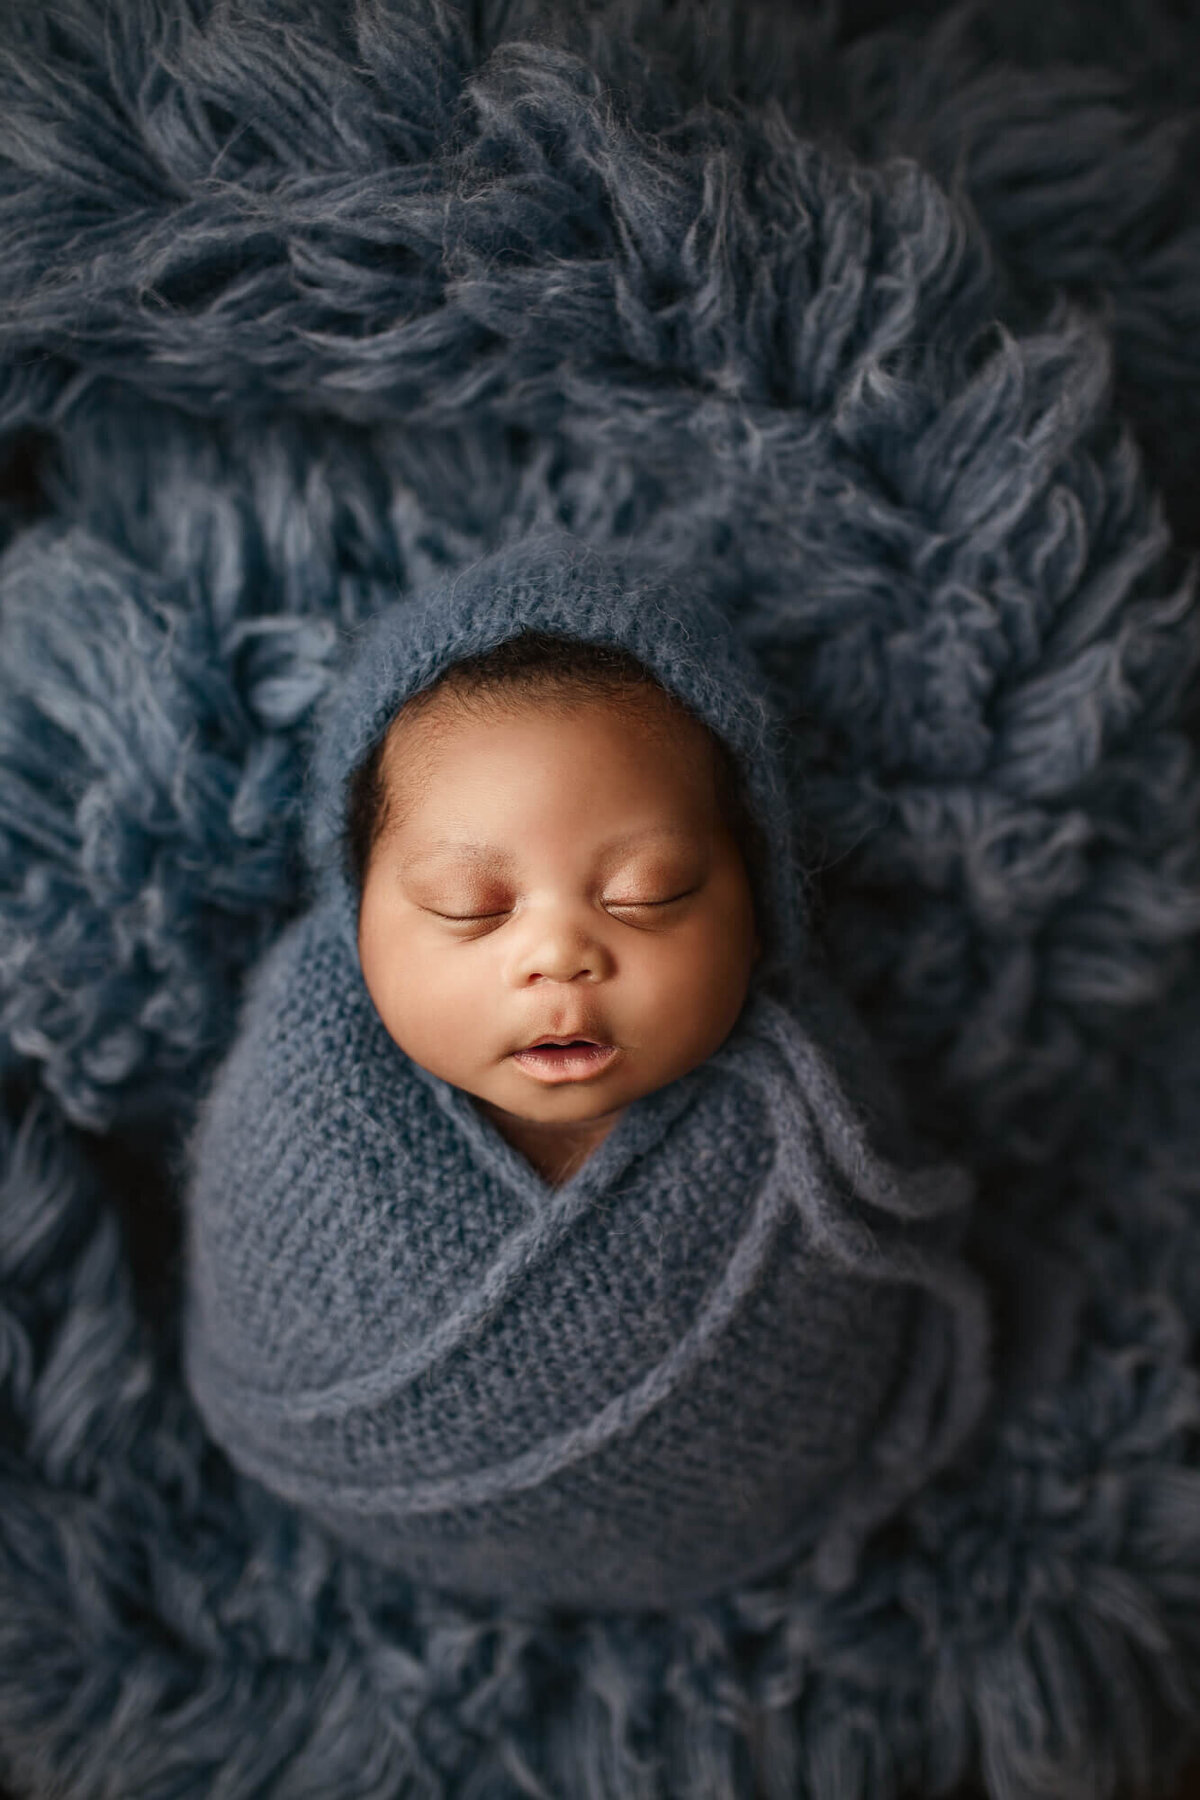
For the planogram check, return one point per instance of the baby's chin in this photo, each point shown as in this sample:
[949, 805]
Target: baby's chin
[556, 1148]
[565, 1103]
[547, 1116]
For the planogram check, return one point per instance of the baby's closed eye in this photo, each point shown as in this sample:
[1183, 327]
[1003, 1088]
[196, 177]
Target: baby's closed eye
[481, 913]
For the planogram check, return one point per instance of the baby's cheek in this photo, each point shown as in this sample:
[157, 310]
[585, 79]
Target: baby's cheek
[388, 972]
[670, 986]
[440, 1011]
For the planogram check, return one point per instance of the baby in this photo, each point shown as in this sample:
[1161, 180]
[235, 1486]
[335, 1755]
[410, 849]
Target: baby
[549, 847]
[614, 1322]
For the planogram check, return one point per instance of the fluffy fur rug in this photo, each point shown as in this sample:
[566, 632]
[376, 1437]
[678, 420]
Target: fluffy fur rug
[896, 333]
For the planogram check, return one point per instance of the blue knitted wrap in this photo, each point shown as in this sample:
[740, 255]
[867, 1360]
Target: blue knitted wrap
[735, 1335]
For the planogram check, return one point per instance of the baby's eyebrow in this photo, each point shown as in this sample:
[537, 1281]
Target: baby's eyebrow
[492, 853]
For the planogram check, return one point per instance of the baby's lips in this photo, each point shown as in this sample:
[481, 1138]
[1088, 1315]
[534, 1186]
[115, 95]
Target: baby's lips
[574, 1061]
[565, 1037]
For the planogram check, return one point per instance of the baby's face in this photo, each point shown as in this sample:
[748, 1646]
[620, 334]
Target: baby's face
[550, 875]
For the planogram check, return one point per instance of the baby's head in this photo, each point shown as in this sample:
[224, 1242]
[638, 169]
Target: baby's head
[547, 843]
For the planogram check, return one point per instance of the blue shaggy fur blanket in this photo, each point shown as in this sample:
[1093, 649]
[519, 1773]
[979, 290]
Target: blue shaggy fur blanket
[893, 330]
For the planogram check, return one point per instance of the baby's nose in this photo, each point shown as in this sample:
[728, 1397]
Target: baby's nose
[561, 949]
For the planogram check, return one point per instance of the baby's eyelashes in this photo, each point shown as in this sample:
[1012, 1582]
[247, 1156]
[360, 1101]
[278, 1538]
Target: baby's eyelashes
[642, 905]
[464, 918]
[481, 918]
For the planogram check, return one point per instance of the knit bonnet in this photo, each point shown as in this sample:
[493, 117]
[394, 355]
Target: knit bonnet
[739, 1333]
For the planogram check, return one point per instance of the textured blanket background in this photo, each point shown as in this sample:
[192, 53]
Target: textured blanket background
[894, 323]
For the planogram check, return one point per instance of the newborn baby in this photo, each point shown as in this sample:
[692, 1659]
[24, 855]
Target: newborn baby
[550, 848]
[618, 1321]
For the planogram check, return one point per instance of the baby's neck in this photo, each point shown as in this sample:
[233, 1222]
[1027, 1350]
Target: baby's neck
[556, 1151]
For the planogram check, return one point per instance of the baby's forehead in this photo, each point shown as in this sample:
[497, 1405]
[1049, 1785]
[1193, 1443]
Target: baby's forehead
[430, 721]
[433, 717]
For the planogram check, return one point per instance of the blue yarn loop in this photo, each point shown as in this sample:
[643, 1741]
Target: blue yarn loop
[824, 1167]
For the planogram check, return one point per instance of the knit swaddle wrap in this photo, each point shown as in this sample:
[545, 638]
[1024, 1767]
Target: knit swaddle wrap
[734, 1335]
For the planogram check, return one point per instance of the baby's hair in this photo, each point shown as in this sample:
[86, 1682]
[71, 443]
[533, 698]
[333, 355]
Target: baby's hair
[558, 671]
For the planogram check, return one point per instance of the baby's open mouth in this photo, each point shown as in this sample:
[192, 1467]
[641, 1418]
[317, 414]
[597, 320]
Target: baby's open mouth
[573, 1060]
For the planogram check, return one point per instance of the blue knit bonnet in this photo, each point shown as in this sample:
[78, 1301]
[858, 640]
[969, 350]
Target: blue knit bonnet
[737, 1334]
[557, 584]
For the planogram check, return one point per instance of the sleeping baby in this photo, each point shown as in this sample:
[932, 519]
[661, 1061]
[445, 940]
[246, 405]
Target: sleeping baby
[542, 1240]
[556, 913]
